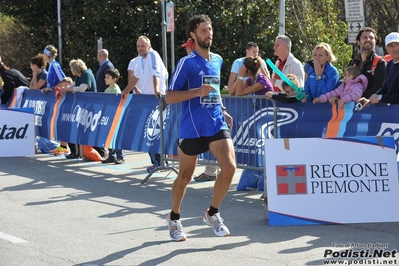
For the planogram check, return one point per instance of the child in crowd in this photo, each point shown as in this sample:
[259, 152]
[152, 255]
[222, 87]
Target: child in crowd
[65, 82]
[350, 90]
[111, 78]
[289, 95]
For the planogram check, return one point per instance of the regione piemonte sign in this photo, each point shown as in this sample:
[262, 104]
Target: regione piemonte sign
[331, 180]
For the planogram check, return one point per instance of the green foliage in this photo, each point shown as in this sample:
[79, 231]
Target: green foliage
[16, 52]
[120, 22]
[312, 28]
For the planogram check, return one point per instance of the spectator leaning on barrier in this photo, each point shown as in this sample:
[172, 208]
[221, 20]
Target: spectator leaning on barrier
[62, 149]
[389, 93]
[130, 73]
[251, 49]
[12, 79]
[373, 69]
[104, 63]
[39, 73]
[286, 62]
[204, 125]
[289, 94]
[152, 74]
[84, 81]
[322, 76]
[149, 70]
[350, 90]
[55, 73]
[256, 83]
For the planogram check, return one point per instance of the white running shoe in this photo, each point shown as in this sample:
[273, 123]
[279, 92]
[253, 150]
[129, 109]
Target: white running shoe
[175, 229]
[217, 223]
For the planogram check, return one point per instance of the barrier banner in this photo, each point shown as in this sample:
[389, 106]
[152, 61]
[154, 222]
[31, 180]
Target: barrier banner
[306, 120]
[350, 179]
[98, 119]
[17, 137]
[43, 105]
[133, 123]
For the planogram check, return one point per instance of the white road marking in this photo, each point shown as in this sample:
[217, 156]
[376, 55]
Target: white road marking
[11, 238]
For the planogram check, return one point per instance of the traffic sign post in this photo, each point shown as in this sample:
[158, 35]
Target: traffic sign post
[353, 28]
[354, 10]
[354, 15]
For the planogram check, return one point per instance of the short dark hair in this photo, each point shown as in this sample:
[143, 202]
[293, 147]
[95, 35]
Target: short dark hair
[366, 29]
[195, 21]
[250, 45]
[114, 73]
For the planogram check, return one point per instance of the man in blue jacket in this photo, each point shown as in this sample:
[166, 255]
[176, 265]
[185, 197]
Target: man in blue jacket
[105, 64]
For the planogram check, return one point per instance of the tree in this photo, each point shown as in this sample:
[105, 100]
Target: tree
[328, 28]
[236, 22]
[15, 52]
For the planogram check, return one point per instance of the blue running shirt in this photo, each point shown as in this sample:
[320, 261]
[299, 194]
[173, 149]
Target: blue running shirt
[197, 119]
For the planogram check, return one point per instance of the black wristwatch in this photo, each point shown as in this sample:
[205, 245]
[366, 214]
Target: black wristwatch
[319, 77]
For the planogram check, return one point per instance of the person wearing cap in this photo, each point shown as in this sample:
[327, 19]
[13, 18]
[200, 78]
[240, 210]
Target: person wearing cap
[251, 49]
[389, 93]
[189, 45]
[366, 41]
[55, 73]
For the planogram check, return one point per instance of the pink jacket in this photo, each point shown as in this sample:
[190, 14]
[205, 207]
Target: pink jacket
[349, 92]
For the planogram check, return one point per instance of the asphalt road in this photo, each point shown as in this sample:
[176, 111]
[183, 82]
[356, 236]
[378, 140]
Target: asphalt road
[59, 212]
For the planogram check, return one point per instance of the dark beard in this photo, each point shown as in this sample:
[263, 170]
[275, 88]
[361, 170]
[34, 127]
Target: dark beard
[363, 49]
[203, 45]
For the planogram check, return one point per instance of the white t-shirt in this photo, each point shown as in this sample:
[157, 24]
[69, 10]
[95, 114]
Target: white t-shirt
[132, 64]
[131, 67]
[146, 68]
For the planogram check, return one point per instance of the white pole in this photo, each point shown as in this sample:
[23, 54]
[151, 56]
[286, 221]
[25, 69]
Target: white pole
[281, 30]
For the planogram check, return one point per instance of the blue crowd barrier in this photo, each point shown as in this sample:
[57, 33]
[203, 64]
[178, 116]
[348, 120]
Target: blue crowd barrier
[134, 123]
